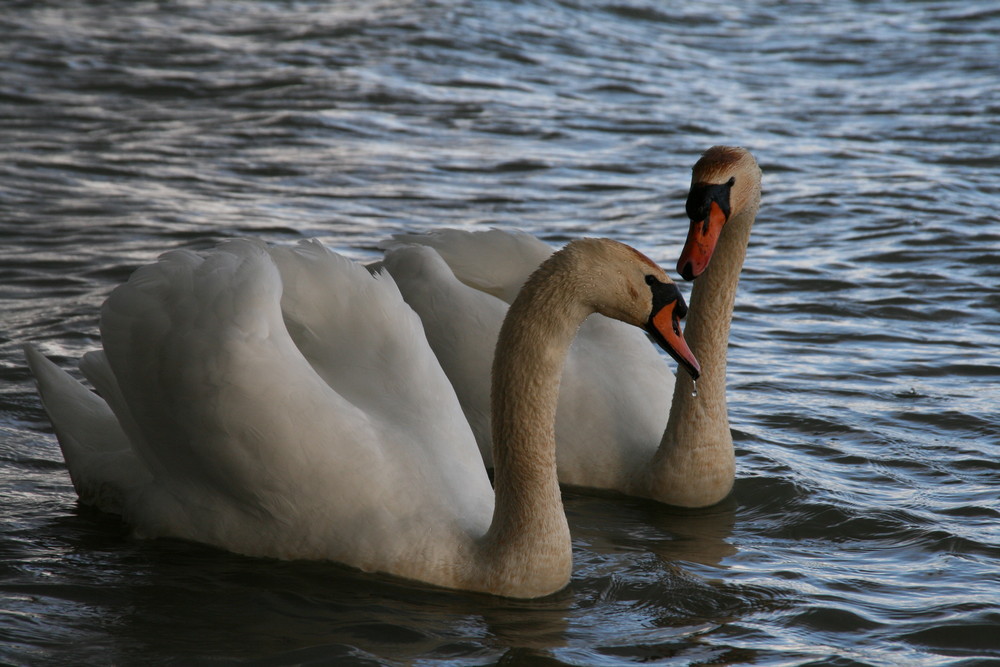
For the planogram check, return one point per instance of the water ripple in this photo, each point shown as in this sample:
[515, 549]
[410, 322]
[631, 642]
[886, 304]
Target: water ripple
[863, 366]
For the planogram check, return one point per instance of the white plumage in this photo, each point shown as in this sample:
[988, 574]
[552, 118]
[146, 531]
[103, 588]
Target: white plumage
[284, 402]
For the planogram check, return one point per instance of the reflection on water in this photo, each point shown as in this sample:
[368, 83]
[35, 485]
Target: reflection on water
[863, 372]
[181, 599]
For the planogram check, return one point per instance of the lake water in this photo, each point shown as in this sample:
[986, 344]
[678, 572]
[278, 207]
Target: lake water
[864, 528]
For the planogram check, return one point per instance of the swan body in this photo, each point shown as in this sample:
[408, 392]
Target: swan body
[283, 402]
[622, 424]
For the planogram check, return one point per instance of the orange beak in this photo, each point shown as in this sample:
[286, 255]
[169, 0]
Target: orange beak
[707, 207]
[703, 235]
[665, 327]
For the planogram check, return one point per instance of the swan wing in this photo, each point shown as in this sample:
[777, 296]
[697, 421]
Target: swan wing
[264, 448]
[494, 261]
[461, 324]
[389, 369]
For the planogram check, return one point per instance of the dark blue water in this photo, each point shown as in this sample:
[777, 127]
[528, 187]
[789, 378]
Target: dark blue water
[864, 368]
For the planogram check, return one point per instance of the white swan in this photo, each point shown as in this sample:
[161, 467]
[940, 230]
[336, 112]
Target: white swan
[283, 402]
[612, 424]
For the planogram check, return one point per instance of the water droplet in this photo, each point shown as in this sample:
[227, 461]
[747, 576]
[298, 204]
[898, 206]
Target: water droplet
[694, 387]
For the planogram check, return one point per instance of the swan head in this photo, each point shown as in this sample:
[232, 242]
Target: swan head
[724, 183]
[630, 287]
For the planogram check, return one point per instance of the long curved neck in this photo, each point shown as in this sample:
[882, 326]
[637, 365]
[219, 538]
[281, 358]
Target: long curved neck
[695, 464]
[527, 551]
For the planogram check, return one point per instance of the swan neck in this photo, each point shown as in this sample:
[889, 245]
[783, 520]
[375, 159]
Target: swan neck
[710, 313]
[529, 533]
[697, 443]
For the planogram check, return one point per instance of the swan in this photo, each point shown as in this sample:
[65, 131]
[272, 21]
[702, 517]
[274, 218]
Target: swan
[283, 402]
[612, 425]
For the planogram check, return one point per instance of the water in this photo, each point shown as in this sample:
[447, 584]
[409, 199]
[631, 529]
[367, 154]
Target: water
[865, 523]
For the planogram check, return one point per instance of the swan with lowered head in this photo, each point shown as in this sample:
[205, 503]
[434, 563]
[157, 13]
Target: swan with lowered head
[612, 425]
[283, 402]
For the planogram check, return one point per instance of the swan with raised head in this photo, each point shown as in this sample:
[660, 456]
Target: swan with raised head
[283, 402]
[612, 425]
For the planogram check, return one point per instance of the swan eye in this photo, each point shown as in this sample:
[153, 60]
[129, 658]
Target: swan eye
[651, 280]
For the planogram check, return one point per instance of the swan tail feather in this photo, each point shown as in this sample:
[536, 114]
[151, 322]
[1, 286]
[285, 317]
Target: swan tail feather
[100, 460]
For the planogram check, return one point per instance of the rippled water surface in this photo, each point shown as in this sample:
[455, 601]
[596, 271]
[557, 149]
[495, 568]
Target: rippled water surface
[864, 365]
